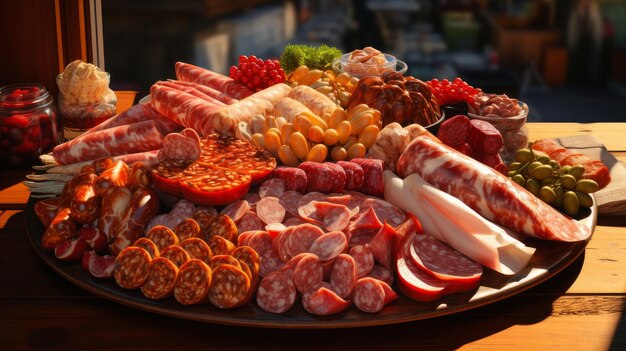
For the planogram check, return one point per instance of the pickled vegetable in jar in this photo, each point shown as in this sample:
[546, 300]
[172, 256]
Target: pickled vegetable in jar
[28, 124]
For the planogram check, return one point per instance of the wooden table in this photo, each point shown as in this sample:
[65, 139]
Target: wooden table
[581, 308]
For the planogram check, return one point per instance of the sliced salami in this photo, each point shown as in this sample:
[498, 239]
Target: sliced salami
[236, 210]
[220, 246]
[290, 266]
[366, 220]
[181, 147]
[385, 211]
[294, 179]
[308, 274]
[290, 201]
[363, 259]
[390, 295]
[160, 219]
[253, 199]
[276, 293]
[197, 248]
[329, 245]
[324, 302]
[369, 295]
[274, 187]
[354, 175]
[361, 236]
[181, 210]
[334, 217]
[298, 239]
[176, 254]
[382, 245]
[193, 283]
[270, 262]
[274, 229]
[149, 246]
[373, 181]
[344, 275]
[294, 221]
[132, 266]
[352, 202]
[260, 241]
[381, 273]
[161, 279]
[186, 229]
[270, 210]
[249, 222]
[454, 131]
[442, 261]
[230, 288]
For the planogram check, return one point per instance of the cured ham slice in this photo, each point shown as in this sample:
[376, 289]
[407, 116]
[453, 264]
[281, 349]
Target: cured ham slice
[190, 90]
[451, 221]
[487, 191]
[121, 140]
[138, 113]
[190, 73]
[216, 94]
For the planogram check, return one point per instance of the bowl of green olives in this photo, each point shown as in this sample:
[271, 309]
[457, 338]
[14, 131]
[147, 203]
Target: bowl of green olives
[562, 187]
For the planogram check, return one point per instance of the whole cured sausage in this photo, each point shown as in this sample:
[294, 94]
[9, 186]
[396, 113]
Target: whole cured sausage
[320, 178]
[61, 228]
[290, 109]
[161, 279]
[190, 73]
[143, 205]
[454, 131]
[484, 138]
[193, 283]
[354, 175]
[84, 204]
[487, 191]
[373, 179]
[125, 139]
[115, 175]
[112, 209]
[294, 178]
[132, 266]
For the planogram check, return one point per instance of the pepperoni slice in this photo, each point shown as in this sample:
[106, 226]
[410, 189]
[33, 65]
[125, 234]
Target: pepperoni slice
[162, 237]
[343, 276]
[193, 283]
[197, 248]
[381, 245]
[230, 288]
[188, 228]
[148, 245]
[204, 215]
[132, 266]
[161, 279]
[176, 254]
[276, 293]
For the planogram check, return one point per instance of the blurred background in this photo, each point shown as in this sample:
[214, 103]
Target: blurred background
[565, 58]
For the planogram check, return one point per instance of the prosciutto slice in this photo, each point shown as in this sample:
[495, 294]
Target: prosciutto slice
[487, 191]
[137, 113]
[216, 94]
[190, 73]
[190, 90]
[121, 140]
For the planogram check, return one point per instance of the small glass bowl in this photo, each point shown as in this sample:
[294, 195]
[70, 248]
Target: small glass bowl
[343, 64]
[513, 129]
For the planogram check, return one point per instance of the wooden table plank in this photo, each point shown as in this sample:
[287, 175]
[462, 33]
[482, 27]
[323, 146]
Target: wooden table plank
[611, 134]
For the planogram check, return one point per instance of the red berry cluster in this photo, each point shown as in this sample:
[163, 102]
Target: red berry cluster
[257, 74]
[448, 93]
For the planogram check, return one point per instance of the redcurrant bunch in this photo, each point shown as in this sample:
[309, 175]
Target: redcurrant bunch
[448, 93]
[257, 74]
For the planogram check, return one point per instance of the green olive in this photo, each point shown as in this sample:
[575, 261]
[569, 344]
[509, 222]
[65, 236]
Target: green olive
[532, 166]
[568, 181]
[514, 166]
[587, 186]
[544, 159]
[542, 172]
[577, 171]
[554, 164]
[524, 155]
[558, 201]
[584, 199]
[533, 186]
[547, 194]
[548, 181]
[565, 169]
[519, 179]
[570, 203]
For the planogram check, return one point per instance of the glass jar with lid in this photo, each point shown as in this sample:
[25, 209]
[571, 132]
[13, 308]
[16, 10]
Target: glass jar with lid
[28, 124]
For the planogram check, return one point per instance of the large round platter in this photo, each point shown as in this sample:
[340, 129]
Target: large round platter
[549, 259]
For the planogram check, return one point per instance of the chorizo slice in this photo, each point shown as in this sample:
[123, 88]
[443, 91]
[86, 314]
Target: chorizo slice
[219, 260]
[197, 248]
[161, 279]
[162, 237]
[186, 229]
[193, 283]
[230, 288]
[220, 246]
[224, 226]
[149, 246]
[249, 256]
[176, 254]
[132, 266]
